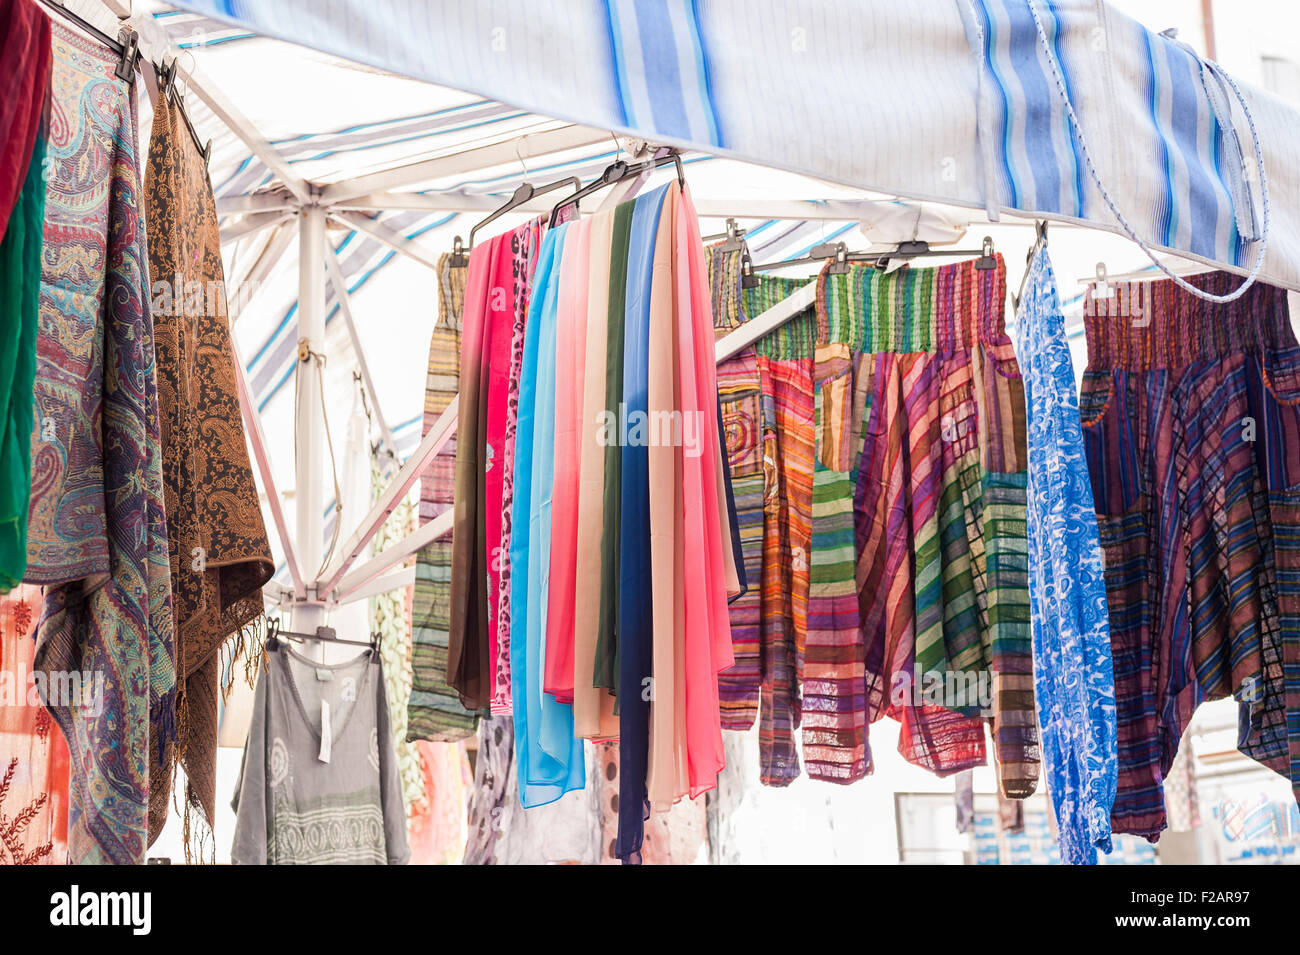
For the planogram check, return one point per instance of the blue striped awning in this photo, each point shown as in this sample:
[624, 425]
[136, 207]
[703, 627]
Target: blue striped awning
[954, 101]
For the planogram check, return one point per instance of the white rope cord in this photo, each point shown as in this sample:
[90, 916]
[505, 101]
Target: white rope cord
[1119, 216]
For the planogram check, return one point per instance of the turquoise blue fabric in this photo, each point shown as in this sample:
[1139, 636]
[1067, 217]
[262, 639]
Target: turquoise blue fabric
[1073, 677]
[635, 634]
[549, 760]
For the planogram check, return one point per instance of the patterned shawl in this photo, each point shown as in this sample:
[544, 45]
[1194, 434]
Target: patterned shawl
[220, 556]
[97, 535]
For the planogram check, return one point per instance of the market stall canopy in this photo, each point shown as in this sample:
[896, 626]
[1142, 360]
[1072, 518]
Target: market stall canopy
[1065, 109]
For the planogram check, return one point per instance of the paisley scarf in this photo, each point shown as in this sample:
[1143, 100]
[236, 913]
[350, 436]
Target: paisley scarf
[97, 535]
[220, 556]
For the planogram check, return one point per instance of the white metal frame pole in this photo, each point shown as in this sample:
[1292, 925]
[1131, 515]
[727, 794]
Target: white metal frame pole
[309, 421]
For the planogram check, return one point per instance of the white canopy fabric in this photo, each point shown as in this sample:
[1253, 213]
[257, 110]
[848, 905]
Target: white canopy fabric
[992, 104]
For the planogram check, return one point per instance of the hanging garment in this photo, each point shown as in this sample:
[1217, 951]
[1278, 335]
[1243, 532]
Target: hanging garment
[1073, 679]
[593, 705]
[1182, 801]
[668, 769]
[835, 743]
[390, 618]
[437, 834]
[570, 345]
[435, 710]
[493, 765]
[548, 759]
[34, 762]
[469, 655]
[97, 535]
[24, 85]
[785, 372]
[564, 832]
[673, 836]
[524, 244]
[607, 643]
[318, 784]
[635, 637]
[1191, 430]
[220, 555]
[740, 397]
[939, 506]
[20, 275]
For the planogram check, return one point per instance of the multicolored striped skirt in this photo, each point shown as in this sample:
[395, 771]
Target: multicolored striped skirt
[920, 415]
[1191, 414]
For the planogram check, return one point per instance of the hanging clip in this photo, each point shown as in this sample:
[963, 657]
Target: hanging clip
[747, 277]
[130, 54]
[458, 260]
[837, 251]
[1102, 287]
[987, 261]
[735, 237]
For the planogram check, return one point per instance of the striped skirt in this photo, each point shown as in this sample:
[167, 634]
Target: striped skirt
[1191, 416]
[922, 420]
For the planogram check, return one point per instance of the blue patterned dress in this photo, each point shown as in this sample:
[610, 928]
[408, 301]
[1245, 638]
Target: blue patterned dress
[1074, 682]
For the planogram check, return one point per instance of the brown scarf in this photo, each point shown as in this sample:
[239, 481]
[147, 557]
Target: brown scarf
[220, 557]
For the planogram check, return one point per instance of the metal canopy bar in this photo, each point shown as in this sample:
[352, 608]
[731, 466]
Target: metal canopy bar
[345, 307]
[275, 201]
[395, 554]
[389, 237]
[253, 223]
[528, 146]
[830, 210]
[442, 431]
[309, 417]
[398, 580]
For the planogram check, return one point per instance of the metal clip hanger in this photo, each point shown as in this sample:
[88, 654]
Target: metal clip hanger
[322, 635]
[126, 46]
[167, 86]
[1040, 241]
[523, 193]
[615, 173]
[458, 259]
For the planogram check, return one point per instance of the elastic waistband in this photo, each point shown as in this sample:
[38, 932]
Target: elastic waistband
[1159, 325]
[943, 309]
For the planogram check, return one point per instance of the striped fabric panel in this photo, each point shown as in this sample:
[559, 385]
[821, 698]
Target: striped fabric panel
[1010, 653]
[1285, 512]
[788, 445]
[1040, 164]
[834, 712]
[435, 711]
[690, 71]
[739, 389]
[652, 39]
[1182, 433]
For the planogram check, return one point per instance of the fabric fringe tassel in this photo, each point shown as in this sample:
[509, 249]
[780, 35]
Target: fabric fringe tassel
[250, 643]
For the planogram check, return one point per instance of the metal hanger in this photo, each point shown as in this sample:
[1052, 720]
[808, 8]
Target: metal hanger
[167, 87]
[617, 172]
[1040, 241]
[322, 635]
[735, 237]
[841, 258]
[126, 46]
[523, 193]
